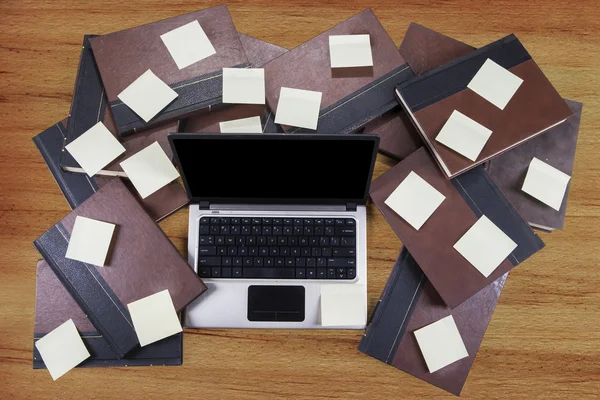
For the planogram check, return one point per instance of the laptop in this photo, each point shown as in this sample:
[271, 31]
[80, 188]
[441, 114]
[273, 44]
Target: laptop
[273, 218]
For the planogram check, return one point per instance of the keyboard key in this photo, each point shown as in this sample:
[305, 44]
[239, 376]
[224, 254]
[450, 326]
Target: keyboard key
[237, 272]
[204, 221]
[267, 221]
[279, 262]
[220, 240]
[315, 252]
[234, 230]
[269, 262]
[256, 230]
[209, 261]
[321, 262]
[326, 252]
[204, 229]
[308, 221]
[282, 241]
[350, 273]
[335, 241]
[311, 273]
[255, 221]
[324, 241]
[273, 251]
[303, 241]
[348, 241]
[300, 262]
[329, 231]
[214, 229]
[263, 251]
[277, 221]
[232, 251]
[242, 251]
[226, 272]
[241, 240]
[341, 271]
[297, 221]
[339, 221]
[247, 261]
[341, 275]
[235, 221]
[300, 273]
[284, 251]
[230, 240]
[305, 252]
[246, 229]
[207, 251]
[295, 251]
[204, 272]
[225, 221]
[293, 241]
[298, 230]
[311, 262]
[344, 252]
[226, 261]
[258, 261]
[221, 251]
[341, 262]
[331, 273]
[215, 272]
[319, 230]
[319, 221]
[288, 231]
[350, 221]
[252, 251]
[261, 240]
[272, 241]
[206, 240]
[246, 221]
[277, 230]
[345, 231]
[266, 230]
[321, 273]
[328, 222]
[290, 262]
[287, 221]
[215, 221]
[274, 273]
[308, 230]
[237, 261]
[251, 240]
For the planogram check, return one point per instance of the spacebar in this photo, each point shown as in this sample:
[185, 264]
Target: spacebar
[278, 273]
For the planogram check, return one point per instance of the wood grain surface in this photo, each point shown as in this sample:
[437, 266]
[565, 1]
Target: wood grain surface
[544, 338]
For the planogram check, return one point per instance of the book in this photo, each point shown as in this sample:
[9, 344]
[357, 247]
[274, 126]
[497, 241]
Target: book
[78, 187]
[142, 261]
[122, 57]
[555, 147]
[467, 198]
[351, 97]
[54, 305]
[433, 97]
[398, 138]
[409, 302]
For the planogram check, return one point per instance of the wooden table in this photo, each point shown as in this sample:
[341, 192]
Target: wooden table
[543, 340]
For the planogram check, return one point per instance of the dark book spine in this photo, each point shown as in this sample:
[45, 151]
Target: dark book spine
[269, 125]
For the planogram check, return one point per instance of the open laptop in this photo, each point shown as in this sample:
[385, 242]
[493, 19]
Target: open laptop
[273, 218]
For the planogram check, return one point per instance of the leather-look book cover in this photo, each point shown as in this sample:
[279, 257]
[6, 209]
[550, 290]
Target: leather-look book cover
[468, 197]
[555, 147]
[123, 56]
[351, 97]
[142, 261]
[54, 305]
[79, 187]
[398, 138]
[431, 98]
[409, 302]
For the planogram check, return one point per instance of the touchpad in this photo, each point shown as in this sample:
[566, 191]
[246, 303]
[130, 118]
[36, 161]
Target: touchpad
[276, 303]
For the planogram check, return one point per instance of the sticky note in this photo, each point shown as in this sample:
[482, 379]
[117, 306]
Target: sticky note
[441, 343]
[297, 107]
[464, 135]
[415, 200]
[485, 246]
[90, 241]
[149, 170]
[343, 305]
[62, 349]
[147, 95]
[244, 85]
[95, 149]
[350, 51]
[242, 125]
[494, 83]
[154, 317]
[546, 183]
[188, 44]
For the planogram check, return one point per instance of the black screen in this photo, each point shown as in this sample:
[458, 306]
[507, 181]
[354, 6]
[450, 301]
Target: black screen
[268, 168]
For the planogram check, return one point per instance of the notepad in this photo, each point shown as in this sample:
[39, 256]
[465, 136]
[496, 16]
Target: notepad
[485, 246]
[62, 349]
[495, 84]
[154, 317]
[90, 241]
[95, 149]
[242, 125]
[147, 95]
[415, 200]
[546, 183]
[244, 85]
[464, 135]
[299, 108]
[350, 51]
[441, 343]
[188, 44]
[343, 305]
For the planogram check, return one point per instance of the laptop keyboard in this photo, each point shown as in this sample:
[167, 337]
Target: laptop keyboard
[277, 248]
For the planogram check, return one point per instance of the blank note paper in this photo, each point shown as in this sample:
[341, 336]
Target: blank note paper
[62, 349]
[188, 44]
[343, 305]
[154, 317]
[350, 51]
[546, 183]
[495, 84]
[90, 241]
[149, 169]
[485, 246]
[147, 95]
[297, 107]
[244, 85]
[441, 343]
[464, 135]
[242, 125]
[95, 149]
[415, 200]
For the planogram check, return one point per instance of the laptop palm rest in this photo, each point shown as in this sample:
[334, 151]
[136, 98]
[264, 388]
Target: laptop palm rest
[276, 303]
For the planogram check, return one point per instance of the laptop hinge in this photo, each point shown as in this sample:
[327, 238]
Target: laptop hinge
[204, 205]
[350, 206]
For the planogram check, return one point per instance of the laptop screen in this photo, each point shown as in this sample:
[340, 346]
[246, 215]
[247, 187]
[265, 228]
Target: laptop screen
[293, 169]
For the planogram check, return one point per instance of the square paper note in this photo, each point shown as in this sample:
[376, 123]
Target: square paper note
[495, 84]
[463, 135]
[62, 349]
[149, 170]
[154, 317]
[485, 246]
[243, 125]
[95, 149]
[297, 107]
[147, 95]
[90, 241]
[244, 85]
[414, 200]
[343, 305]
[188, 44]
[350, 51]
[441, 343]
[546, 183]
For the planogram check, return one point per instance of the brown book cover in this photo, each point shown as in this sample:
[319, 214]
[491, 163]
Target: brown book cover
[125, 55]
[141, 262]
[555, 147]
[398, 136]
[260, 52]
